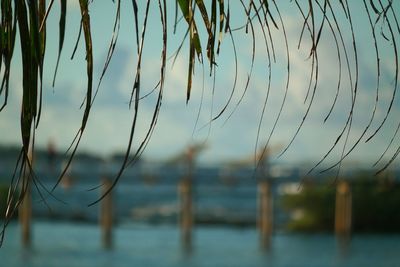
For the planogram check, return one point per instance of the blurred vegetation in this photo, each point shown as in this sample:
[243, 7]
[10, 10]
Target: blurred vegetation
[375, 203]
[312, 209]
[3, 200]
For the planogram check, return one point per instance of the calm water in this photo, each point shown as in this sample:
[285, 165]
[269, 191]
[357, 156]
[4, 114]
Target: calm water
[69, 245]
[145, 244]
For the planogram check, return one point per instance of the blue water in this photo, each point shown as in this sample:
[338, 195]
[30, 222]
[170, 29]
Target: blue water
[69, 245]
[146, 234]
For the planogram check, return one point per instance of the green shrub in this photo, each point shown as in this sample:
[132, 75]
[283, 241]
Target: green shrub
[315, 208]
[375, 206]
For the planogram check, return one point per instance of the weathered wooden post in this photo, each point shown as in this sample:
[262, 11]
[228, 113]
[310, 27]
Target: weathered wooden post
[106, 215]
[185, 212]
[25, 207]
[265, 213]
[343, 209]
[25, 217]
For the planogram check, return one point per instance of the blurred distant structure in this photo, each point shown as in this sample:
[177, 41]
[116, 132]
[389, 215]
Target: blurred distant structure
[262, 164]
[187, 158]
[67, 178]
[25, 208]
[106, 214]
[51, 155]
[265, 220]
[343, 209]
[185, 189]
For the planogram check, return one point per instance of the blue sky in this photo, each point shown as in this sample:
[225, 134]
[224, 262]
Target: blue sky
[235, 138]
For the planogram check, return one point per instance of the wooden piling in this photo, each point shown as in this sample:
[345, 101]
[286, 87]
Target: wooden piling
[265, 213]
[343, 209]
[25, 217]
[106, 215]
[186, 215]
[25, 207]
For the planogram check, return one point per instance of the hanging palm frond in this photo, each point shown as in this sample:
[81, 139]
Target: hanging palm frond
[207, 23]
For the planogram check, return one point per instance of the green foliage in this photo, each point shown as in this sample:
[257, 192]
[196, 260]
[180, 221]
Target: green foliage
[314, 206]
[375, 206]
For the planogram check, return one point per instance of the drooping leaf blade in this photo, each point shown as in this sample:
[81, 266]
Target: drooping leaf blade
[63, 18]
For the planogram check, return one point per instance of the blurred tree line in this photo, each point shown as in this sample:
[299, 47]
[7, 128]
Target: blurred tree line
[375, 202]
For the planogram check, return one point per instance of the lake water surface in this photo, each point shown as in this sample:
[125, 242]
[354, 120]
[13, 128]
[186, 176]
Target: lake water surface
[73, 244]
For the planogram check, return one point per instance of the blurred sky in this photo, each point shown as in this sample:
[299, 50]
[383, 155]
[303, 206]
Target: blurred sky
[110, 121]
